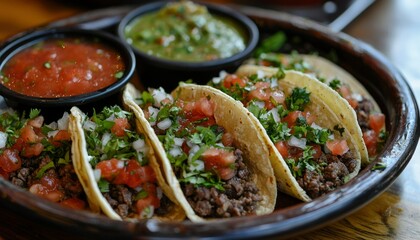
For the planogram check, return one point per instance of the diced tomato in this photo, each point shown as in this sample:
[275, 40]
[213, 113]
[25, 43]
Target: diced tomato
[278, 97]
[10, 160]
[282, 148]
[371, 139]
[47, 188]
[377, 122]
[32, 150]
[309, 117]
[150, 200]
[317, 151]
[291, 118]
[219, 160]
[185, 148]
[353, 102]
[337, 147]
[227, 139]
[74, 203]
[345, 92]
[233, 80]
[36, 122]
[196, 111]
[262, 94]
[28, 134]
[121, 124]
[110, 168]
[205, 107]
[138, 174]
[62, 135]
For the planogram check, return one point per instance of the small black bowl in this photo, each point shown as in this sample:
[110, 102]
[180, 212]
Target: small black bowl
[156, 72]
[52, 108]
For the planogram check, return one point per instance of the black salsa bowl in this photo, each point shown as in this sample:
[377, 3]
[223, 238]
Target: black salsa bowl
[53, 107]
[155, 71]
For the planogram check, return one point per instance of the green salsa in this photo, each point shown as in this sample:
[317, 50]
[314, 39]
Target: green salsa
[184, 31]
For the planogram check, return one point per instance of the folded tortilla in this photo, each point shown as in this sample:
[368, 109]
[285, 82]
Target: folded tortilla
[230, 115]
[329, 109]
[86, 172]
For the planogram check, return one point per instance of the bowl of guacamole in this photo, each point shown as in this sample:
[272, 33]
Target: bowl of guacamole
[180, 41]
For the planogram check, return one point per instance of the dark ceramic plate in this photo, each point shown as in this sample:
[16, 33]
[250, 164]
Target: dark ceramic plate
[24, 215]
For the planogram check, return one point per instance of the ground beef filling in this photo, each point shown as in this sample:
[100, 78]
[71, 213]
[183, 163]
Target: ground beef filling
[333, 171]
[239, 198]
[363, 110]
[69, 183]
[122, 200]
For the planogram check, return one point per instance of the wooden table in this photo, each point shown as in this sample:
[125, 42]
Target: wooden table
[392, 27]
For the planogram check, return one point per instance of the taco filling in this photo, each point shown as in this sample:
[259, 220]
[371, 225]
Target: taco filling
[119, 159]
[37, 157]
[318, 158]
[369, 117]
[203, 155]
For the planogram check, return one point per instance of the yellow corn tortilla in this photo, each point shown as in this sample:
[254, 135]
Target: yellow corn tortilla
[85, 171]
[330, 110]
[229, 114]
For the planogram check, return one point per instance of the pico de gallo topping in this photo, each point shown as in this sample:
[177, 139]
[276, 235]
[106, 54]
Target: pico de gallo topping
[317, 157]
[119, 157]
[203, 155]
[371, 122]
[37, 157]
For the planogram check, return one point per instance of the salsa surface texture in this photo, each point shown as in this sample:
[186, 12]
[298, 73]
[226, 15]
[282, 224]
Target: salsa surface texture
[185, 31]
[62, 67]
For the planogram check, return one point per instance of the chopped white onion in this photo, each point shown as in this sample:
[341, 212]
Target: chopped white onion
[222, 75]
[89, 125]
[139, 145]
[159, 95]
[357, 97]
[153, 112]
[63, 122]
[52, 134]
[274, 82]
[111, 118]
[105, 139]
[164, 124]
[260, 74]
[175, 151]
[275, 113]
[52, 125]
[197, 165]
[260, 104]
[97, 174]
[296, 142]
[194, 148]
[3, 139]
[315, 126]
[178, 141]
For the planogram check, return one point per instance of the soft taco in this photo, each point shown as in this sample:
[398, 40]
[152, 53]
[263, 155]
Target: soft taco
[37, 157]
[214, 160]
[369, 115]
[118, 168]
[316, 145]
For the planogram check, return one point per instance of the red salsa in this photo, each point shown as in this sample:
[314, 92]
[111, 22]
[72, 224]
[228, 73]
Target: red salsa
[62, 67]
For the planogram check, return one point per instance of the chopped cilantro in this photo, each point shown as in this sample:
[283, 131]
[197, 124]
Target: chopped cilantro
[103, 186]
[335, 84]
[298, 99]
[271, 44]
[44, 168]
[141, 195]
[34, 113]
[379, 166]
[47, 65]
